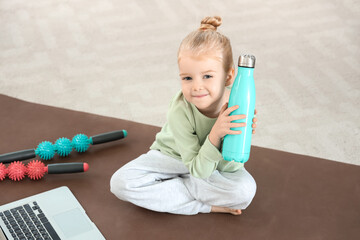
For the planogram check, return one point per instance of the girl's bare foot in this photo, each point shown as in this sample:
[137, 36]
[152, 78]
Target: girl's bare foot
[216, 209]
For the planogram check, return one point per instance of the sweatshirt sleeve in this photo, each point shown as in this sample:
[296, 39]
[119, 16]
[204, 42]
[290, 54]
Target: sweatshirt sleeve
[201, 160]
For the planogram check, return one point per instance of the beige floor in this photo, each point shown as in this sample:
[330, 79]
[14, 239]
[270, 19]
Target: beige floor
[118, 58]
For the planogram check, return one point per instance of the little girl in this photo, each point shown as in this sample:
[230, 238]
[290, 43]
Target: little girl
[184, 172]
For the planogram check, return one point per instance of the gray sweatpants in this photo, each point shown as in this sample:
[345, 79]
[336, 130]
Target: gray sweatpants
[161, 183]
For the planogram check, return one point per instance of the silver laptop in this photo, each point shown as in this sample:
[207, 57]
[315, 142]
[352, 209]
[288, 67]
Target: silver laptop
[55, 214]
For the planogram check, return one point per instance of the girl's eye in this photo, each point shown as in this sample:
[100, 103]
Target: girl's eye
[186, 78]
[207, 76]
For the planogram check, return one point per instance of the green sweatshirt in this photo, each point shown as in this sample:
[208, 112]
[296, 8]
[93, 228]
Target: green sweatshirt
[185, 137]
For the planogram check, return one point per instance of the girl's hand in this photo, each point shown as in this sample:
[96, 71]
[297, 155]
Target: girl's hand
[224, 123]
[254, 122]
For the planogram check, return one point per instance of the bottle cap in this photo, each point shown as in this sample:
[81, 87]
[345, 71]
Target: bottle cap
[247, 60]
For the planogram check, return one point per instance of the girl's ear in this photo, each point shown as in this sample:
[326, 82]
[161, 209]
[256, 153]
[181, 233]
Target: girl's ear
[230, 77]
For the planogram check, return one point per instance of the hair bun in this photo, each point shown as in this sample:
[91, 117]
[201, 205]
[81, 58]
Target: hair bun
[210, 23]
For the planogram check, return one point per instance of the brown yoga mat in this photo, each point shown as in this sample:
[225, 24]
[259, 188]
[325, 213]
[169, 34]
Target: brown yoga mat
[298, 197]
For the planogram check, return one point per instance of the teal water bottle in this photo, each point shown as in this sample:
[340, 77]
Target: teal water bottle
[237, 147]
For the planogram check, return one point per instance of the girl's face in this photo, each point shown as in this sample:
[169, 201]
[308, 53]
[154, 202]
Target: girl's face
[203, 81]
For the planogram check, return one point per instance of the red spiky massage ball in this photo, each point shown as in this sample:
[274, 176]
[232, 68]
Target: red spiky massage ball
[3, 171]
[36, 169]
[16, 171]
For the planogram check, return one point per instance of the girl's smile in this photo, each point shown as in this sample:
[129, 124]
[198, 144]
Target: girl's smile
[200, 96]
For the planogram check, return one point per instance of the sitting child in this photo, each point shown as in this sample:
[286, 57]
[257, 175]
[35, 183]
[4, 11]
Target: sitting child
[184, 172]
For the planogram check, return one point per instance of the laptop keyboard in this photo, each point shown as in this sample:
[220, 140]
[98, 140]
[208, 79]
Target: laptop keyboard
[28, 222]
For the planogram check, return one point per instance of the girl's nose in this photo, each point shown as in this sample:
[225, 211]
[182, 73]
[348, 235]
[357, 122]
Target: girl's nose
[197, 85]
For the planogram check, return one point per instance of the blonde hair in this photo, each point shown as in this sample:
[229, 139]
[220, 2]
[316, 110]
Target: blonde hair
[207, 39]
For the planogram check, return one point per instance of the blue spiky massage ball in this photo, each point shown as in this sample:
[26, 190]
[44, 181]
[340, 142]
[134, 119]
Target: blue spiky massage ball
[81, 142]
[45, 150]
[63, 147]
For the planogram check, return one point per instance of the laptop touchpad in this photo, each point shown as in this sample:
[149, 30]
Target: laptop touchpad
[72, 222]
